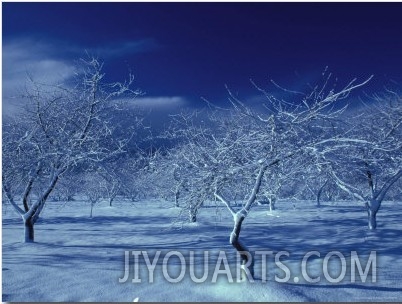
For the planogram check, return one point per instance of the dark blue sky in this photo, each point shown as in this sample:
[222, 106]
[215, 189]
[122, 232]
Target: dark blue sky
[182, 51]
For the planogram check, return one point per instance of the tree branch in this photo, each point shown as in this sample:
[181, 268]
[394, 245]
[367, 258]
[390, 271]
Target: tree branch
[11, 200]
[226, 204]
[381, 194]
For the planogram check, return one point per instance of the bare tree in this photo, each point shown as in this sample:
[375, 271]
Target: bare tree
[131, 181]
[315, 181]
[62, 127]
[286, 180]
[111, 181]
[93, 188]
[369, 169]
[242, 144]
[68, 187]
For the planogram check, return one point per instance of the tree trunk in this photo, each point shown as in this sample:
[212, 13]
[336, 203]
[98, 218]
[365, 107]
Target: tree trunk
[272, 201]
[372, 208]
[245, 255]
[193, 213]
[176, 198]
[372, 219]
[318, 198]
[272, 206]
[28, 231]
[247, 261]
[319, 194]
[92, 207]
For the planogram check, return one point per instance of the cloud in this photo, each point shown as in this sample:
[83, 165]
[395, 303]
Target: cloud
[52, 62]
[25, 57]
[125, 48]
[159, 102]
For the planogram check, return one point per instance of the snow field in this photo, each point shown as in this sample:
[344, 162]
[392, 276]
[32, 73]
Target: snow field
[76, 258]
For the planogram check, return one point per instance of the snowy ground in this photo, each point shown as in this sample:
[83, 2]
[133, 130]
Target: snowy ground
[76, 258]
